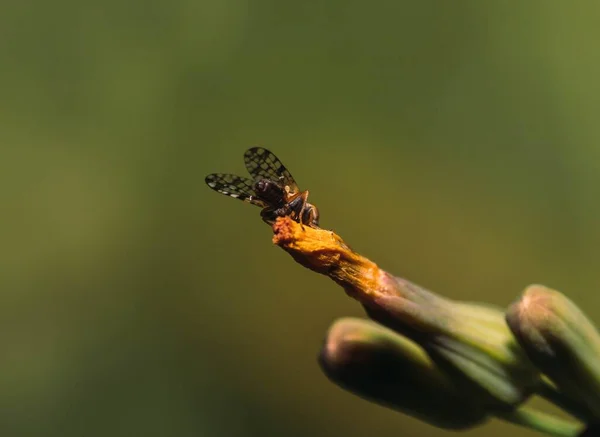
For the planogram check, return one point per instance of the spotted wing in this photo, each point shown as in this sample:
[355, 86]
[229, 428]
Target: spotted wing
[262, 164]
[234, 186]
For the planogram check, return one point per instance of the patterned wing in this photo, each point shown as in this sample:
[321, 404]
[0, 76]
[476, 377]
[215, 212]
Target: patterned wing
[262, 164]
[234, 186]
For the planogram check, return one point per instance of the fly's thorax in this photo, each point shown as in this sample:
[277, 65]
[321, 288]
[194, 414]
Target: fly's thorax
[270, 191]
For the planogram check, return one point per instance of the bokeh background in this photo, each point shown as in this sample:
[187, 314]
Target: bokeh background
[454, 143]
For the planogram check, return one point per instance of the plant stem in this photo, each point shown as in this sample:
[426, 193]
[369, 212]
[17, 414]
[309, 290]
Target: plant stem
[550, 392]
[541, 422]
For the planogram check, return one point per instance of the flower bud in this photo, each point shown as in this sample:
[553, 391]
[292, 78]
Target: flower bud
[471, 342]
[561, 341]
[382, 366]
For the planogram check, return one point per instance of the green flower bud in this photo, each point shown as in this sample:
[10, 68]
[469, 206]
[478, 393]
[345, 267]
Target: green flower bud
[561, 341]
[471, 342]
[382, 366]
[462, 354]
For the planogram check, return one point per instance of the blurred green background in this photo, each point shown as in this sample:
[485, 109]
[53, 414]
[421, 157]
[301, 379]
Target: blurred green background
[454, 143]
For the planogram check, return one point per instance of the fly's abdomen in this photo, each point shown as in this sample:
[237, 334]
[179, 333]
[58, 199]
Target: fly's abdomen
[270, 192]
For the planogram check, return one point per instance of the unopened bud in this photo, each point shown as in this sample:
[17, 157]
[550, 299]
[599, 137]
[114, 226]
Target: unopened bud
[385, 367]
[471, 342]
[561, 341]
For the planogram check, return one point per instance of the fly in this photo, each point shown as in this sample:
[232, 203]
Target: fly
[272, 188]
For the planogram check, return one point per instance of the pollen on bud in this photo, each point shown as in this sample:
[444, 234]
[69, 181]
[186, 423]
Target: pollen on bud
[380, 365]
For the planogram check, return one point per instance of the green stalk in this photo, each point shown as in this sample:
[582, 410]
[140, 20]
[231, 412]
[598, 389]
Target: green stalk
[551, 393]
[541, 422]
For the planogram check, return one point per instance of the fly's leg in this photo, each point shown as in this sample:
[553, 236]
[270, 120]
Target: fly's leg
[298, 207]
[304, 197]
[311, 215]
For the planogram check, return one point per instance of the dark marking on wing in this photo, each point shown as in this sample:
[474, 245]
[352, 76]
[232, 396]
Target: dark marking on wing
[263, 164]
[234, 186]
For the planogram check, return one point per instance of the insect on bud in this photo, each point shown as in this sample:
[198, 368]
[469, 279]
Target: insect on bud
[271, 188]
